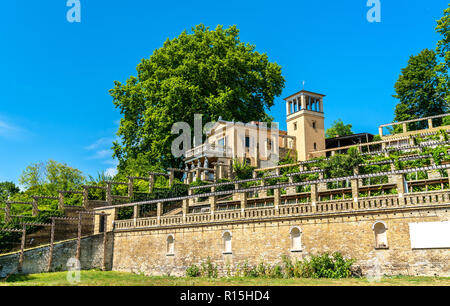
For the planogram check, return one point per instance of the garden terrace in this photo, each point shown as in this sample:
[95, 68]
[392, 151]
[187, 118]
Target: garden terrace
[318, 199]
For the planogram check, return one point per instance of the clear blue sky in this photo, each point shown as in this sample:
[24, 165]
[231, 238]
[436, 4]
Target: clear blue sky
[55, 75]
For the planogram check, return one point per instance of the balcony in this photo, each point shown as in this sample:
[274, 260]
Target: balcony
[209, 150]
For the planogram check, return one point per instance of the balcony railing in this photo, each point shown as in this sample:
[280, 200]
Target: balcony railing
[209, 150]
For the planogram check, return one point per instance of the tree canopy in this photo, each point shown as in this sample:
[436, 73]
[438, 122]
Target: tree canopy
[51, 176]
[209, 72]
[423, 86]
[418, 89]
[7, 189]
[339, 129]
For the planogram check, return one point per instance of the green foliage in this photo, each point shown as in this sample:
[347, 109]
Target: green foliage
[193, 271]
[209, 72]
[339, 129]
[242, 170]
[318, 266]
[341, 165]
[47, 178]
[7, 189]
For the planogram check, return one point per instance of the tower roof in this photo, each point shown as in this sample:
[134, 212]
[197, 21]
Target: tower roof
[306, 92]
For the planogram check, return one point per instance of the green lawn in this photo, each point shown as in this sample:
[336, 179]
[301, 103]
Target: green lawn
[109, 278]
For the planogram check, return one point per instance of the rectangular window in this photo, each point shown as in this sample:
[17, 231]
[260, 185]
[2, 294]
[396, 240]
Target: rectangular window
[247, 142]
[221, 142]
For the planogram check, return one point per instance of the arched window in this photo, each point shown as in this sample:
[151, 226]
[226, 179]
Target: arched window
[379, 229]
[170, 245]
[227, 242]
[296, 239]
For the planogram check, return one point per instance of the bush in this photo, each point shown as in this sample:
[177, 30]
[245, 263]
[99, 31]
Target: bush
[193, 271]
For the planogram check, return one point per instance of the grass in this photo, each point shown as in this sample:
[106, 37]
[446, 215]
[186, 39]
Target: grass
[110, 278]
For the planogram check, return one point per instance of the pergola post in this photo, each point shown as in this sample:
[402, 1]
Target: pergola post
[151, 183]
[213, 201]
[158, 212]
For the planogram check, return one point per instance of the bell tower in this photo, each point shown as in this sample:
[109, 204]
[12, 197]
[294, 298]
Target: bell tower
[305, 120]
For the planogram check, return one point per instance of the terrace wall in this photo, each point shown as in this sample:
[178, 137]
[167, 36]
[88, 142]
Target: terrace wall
[145, 250]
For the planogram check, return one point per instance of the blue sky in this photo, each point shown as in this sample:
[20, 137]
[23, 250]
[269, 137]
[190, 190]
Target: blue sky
[55, 75]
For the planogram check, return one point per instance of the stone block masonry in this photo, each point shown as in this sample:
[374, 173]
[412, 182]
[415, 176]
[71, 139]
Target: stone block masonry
[146, 250]
[36, 259]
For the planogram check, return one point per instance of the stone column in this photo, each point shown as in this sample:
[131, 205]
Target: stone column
[405, 128]
[243, 199]
[151, 183]
[185, 209]
[136, 211]
[213, 201]
[262, 193]
[355, 190]
[61, 201]
[85, 197]
[380, 131]
[35, 210]
[303, 101]
[288, 108]
[291, 190]
[276, 198]
[171, 178]
[7, 212]
[314, 194]
[400, 181]
[430, 123]
[130, 188]
[236, 196]
[159, 207]
[108, 193]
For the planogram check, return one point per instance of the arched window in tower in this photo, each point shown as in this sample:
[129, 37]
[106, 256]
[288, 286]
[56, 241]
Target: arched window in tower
[170, 245]
[380, 229]
[227, 249]
[315, 146]
[296, 239]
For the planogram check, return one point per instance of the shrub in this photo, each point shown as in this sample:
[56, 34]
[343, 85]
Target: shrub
[193, 271]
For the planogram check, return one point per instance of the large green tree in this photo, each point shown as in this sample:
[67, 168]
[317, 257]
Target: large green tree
[339, 129]
[418, 89]
[49, 177]
[7, 189]
[209, 72]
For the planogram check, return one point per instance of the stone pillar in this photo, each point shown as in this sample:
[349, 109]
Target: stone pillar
[189, 177]
[243, 199]
[213, 201]
[190, 201]
[262, 193]
[314, 194]
[405, 128]
[291, 190]
[380, 131]
[85, 197]
[35, 210]
[430, 123]
[185, 209]
[448, 175]
[276, 198]
[400, 181]
[136, 210]
[151, 183]
[7, 212]
[159, 207]
[61, 201]
[288, 108]
[130, 188]
[171, 178]
[303, 101]
[355, 190]
[236, 196]
[108, 193]
[198, 174]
